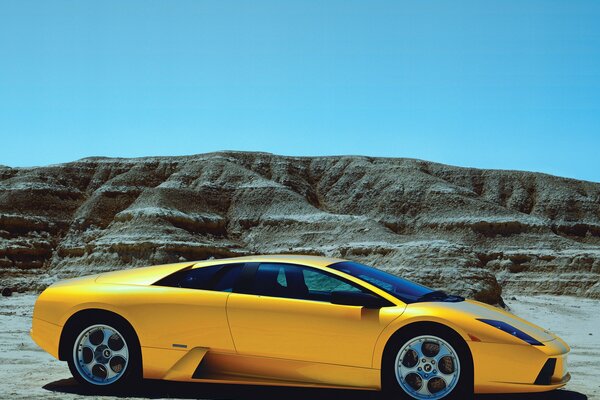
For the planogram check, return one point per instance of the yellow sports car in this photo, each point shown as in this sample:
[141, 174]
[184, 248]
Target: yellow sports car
[291, 321]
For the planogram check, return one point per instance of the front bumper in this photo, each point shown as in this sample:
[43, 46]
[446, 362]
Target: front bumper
[46, 335]
[511, 368]
[554, 372]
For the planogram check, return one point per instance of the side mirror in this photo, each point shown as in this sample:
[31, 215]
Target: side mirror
[366, 300]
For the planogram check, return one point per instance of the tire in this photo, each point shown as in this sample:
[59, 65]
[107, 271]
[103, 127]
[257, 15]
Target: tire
[104, 353]
[427, 361]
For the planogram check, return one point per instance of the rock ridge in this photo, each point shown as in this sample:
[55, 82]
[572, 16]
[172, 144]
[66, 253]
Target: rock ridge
[470, 231]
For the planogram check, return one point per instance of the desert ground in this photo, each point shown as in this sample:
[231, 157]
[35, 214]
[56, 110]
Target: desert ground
[27, 372]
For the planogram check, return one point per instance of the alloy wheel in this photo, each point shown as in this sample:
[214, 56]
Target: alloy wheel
[100, 354]
[427, 367]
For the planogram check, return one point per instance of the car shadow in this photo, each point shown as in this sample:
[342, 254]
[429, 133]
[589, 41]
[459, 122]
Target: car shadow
[151, 389]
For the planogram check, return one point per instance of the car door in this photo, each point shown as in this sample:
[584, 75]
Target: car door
[284, 312]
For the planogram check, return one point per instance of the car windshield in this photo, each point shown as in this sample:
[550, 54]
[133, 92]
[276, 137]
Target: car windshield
[407, 291]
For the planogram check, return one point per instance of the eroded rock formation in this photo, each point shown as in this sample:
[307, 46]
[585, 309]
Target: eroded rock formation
[469, 231]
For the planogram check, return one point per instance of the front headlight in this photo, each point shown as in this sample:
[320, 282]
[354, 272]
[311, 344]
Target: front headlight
[511, 330]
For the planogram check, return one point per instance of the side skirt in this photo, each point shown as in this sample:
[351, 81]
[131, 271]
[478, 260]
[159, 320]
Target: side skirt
[201, 365]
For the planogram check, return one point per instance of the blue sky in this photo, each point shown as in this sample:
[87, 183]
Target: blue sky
[490, 84]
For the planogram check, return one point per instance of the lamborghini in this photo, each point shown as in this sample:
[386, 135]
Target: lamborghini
[291, 320]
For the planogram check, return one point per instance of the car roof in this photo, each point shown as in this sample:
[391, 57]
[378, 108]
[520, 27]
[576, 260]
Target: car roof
[313, 261]
[149, 275]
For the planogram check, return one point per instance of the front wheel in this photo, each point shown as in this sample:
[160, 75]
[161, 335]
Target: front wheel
[105, 354]
[431, 362]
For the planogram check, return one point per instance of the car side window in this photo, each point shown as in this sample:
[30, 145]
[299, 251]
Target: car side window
[297, 282]
[318, 282]
[218, 278]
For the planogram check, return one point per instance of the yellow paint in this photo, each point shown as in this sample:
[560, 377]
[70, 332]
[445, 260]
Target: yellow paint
[158, 362]
[46, 335]
[264, 340]
[287, 328]
[186, 365]
[233, 367]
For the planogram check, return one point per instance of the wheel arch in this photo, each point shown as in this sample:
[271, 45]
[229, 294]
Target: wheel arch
[426, 326]
[83, 315]
[434, 328]
[395, 329]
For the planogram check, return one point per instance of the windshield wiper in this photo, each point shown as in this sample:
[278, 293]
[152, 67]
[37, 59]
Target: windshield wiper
[435, 295]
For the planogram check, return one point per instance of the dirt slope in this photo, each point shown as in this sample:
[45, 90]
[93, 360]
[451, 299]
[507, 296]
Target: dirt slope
[466, 230]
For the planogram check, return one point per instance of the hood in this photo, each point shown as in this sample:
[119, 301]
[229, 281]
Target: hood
[466, 313]
[485, 311]
[141, 276]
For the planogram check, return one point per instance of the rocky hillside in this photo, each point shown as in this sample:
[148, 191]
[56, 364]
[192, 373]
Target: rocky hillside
[474, 232]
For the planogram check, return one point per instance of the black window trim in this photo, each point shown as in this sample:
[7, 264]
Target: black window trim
[243, 285]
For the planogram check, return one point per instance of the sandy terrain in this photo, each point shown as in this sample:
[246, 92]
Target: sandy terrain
[27, 372]
[577, 321]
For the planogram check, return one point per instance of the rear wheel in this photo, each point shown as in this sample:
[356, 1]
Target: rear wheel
[104, 354]
[428, 362]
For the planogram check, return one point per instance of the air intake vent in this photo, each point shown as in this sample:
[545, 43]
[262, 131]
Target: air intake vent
[545, 376]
